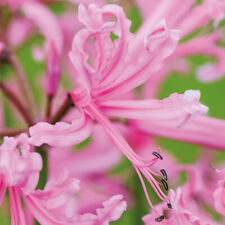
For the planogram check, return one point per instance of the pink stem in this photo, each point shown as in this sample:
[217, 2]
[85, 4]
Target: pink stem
[126, 149]
[17, 213]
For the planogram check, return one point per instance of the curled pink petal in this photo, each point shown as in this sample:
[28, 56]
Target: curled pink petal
[54, 204]
[19, 168]
[61, 134]
[111, 211]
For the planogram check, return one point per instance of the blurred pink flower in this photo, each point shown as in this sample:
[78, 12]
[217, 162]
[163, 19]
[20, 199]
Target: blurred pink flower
[219, 195]
[191, 17]
[19, 171]
[183, 211]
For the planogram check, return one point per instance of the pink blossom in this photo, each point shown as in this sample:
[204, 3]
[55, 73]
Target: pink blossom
[106, 77]
[219, 195]
[19, 171]
[189, 18]
[91, 166]
[55, 205]
[183, 212]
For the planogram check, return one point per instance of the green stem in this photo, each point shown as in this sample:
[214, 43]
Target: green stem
[62, 111]
[16, 101]
[11, 132]
[44, 172]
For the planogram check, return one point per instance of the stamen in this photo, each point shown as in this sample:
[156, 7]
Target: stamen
[157, 155]
[159, 219]
[165, 184]
[164, 174]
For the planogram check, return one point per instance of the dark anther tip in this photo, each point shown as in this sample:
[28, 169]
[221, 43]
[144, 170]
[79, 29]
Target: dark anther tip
[157, 155]
[165, 184]
[164, 174]
[169, 205]
[159, 219]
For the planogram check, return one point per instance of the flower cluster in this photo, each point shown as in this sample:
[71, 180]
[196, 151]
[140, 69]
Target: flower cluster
[95, 109]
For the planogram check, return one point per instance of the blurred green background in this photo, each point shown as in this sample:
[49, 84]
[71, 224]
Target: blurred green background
[212, 95]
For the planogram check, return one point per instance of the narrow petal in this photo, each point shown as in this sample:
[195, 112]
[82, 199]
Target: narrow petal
[17, 213]
[175, 106]
[194, 131]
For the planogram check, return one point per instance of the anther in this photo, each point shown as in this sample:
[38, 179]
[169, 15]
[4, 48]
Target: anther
[157, 155]
[169, 205]
[159, 219]
[164, 174]
[165, 184]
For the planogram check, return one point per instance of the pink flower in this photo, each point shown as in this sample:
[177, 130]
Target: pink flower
[189, 18]
[219, 196]
[19, 171]
[183, 212]
[120, 66]
[56, 205]
[91, 165]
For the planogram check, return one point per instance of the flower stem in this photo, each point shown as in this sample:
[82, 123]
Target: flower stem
[11, 132]
[15, 100]
[23, 82]
[63, 109]
[48, 106]
[44, 172]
